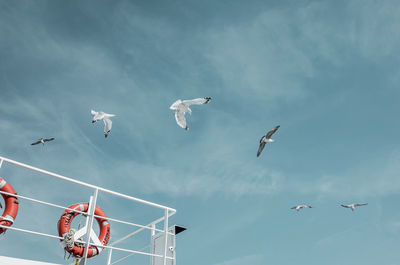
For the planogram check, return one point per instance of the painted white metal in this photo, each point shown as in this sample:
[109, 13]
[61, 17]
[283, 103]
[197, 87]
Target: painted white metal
[91, 208]
[150, 225]
[130, 223]
[134, 251]
[29, 231]
[166, 236]
[127, 256]
[73, 210]
[41, 202]
[85, 184]
[108, 247]
[158, 247]
[88, 229]
[109, 257]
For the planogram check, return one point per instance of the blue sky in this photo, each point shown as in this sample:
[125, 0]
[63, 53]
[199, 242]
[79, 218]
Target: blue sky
[326, 71]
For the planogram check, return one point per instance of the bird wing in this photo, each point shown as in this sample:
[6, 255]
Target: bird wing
[176, 104]
[360, 204]
[196, 101]
[271, 132]
[260, 148]
[48, 139]
[38, 142]
[107, 125]
[345, 206]
[97, 115]
[180, 118]
[294, 207]
[106, 115]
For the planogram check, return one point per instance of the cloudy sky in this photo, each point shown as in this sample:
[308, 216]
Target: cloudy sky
[326, 71]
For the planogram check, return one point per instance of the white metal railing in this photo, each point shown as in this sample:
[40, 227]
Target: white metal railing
[168, 212]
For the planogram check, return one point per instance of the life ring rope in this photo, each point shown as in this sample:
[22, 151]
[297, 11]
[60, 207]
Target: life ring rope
[11, 205]
[70, 236]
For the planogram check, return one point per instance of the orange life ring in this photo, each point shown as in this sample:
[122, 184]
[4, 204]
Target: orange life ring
[64, 226]
[11, 207]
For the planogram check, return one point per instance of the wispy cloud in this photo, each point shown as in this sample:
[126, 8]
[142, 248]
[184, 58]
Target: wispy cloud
[379, 179]
[259, 59]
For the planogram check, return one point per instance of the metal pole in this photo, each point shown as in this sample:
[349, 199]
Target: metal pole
[30, 232]
[109, 257]
[165, 235]
[54, 175]
[139, 230]
[92, 207]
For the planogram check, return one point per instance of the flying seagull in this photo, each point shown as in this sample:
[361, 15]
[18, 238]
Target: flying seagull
[42, 141]
[354, 205]
[298, 207]
[266, 139]
[105, 117]
[182, 106]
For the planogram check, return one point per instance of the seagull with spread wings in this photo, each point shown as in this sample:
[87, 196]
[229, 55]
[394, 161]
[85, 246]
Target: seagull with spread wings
[42, 141]
[298, 207]
[266, 139]
[354, 205]
[105, 117]
[182, 106]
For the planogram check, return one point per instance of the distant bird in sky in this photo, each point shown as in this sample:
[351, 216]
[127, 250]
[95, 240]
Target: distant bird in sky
[105, 117]
[266, 139]
[42, 141]
[182, 106]
[354, 205]
[298, 207]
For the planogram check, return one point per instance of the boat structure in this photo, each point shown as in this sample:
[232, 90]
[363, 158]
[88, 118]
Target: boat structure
[81, 224]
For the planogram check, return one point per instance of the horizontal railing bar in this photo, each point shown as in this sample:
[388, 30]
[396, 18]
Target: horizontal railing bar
[140, 230]
[130, 255]
[132, 251]
[42, 202]
[129, 223]
[30, 232]
[80, 241]
[10, 161]
[73, 210]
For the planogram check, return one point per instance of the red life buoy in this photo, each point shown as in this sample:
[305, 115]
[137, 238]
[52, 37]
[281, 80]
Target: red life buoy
[64, 226]
[11, 207]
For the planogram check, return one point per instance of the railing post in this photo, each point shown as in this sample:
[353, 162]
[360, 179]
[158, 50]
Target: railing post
[165, 235]
[92, 207]
[109, 257]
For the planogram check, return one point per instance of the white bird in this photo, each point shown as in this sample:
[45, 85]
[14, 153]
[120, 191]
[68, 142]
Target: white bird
[354, 205]
[42, 141]
[182, 106]
[298, 207]
[266, 139]
[105, 117]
